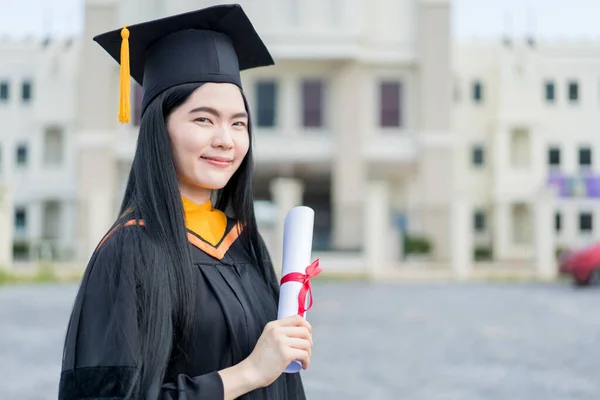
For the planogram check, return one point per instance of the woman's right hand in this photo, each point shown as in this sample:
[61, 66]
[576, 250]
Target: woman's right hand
[281, 342]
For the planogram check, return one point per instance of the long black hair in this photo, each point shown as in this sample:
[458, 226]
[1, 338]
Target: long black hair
[164, 273]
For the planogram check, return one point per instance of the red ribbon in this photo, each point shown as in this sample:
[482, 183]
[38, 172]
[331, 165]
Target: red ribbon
[311, 271]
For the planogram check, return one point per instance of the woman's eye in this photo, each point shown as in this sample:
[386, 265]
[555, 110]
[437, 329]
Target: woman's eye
[202, 119]
[239, 123]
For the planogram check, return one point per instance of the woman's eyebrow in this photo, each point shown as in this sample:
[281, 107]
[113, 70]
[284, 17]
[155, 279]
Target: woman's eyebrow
[216, 113]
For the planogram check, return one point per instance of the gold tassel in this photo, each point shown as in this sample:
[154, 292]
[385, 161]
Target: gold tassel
[125, 95]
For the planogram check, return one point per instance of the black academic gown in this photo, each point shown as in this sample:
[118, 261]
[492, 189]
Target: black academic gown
[232, 307]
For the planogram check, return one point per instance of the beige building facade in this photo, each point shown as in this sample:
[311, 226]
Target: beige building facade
[38, 193]
[526, 115]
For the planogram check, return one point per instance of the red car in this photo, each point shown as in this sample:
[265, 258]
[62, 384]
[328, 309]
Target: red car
[583, 265]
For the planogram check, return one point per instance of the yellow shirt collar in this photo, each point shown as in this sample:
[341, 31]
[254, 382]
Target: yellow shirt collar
[204, 220]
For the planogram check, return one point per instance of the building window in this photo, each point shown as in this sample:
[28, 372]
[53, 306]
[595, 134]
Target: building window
[549, 91]
[520, 149]
[477, 92]
[26, 91]
[4, 91]
[557, 222]
[573, 91]
[586, 222]
[390, 104]
[51, 219]
[479, 221]
[554, 157]
[585, 157]
[478, 158]
[20, 218]
[312, 103]
[522, 224]
[266, 101]
[21, 155]
[53, 146]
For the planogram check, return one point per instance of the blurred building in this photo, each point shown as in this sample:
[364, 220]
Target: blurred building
[527, 116]
[37, 153]
[361, 93]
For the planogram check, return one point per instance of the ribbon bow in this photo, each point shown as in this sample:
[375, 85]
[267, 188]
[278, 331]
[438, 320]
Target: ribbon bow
[311, 271]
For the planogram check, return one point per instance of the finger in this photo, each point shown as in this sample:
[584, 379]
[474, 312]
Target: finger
[307, 325]
[300, 355]
[297, 343]
[301, 344]
[301, 321]
[297, 320]
[296, 331]
[293, 321]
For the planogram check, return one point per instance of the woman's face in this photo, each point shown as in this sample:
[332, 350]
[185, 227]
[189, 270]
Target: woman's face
[209, 134]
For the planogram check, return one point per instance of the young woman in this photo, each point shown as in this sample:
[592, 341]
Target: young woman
[179, 300]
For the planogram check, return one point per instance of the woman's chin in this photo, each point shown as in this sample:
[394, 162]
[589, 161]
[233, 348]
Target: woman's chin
[204, 184]
[211, 184]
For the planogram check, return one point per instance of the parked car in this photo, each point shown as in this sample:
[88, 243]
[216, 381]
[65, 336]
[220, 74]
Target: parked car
[583, 265]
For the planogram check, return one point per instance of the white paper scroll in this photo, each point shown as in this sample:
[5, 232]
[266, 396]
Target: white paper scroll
[297, 249]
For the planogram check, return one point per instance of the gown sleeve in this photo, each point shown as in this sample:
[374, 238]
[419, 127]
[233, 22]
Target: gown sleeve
[102, 336]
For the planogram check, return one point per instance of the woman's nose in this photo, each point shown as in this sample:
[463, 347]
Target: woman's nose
[223, 138]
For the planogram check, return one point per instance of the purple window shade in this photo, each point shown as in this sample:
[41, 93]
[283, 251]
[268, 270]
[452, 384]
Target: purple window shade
[137, 104]
[586, 187]
[312, 104]
[390, 94]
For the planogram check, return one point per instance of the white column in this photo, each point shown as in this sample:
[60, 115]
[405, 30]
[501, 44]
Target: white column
[545, 262]
[462, 238]
[68, 218]
[35, 222]
[96, 198]
[349, 121]
[377, 233]
[287, 193]
[502, 230]
[6, 227]
[287, 118]
[100, 217]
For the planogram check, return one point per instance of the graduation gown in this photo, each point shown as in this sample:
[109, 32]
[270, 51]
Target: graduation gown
[233, 304]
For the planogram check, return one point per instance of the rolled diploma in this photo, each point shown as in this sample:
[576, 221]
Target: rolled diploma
[297, 248]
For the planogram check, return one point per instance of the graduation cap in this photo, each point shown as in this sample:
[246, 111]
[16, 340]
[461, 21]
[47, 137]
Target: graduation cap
[212, 44]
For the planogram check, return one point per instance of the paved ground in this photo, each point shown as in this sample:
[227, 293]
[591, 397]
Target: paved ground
[377, 341]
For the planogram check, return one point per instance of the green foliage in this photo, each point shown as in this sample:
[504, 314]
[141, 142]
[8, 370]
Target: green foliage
[44, 274]
[6, 277]
[416, 245]
[20, 249]
[483, 253]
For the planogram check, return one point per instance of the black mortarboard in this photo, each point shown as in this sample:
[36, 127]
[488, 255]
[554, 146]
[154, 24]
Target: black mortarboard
[208, 45]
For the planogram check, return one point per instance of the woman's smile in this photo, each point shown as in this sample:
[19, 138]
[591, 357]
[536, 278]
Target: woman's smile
[221, 162]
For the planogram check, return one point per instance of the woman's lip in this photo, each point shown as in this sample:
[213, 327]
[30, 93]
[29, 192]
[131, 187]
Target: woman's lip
[219, 159]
